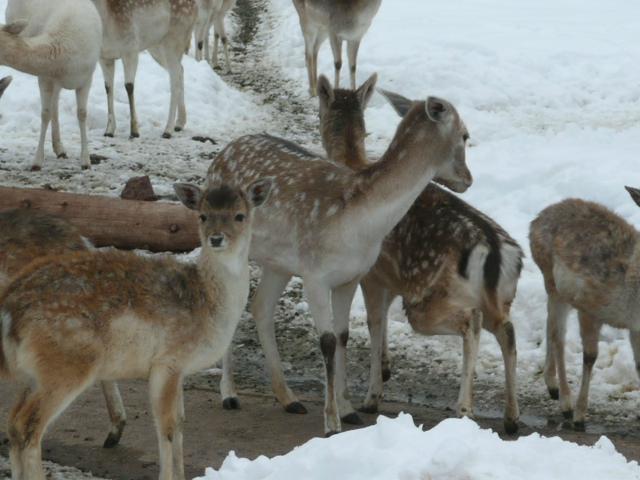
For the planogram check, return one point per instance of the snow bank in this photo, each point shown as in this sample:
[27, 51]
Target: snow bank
[455, 449]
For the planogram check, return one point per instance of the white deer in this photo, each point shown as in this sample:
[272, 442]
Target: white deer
[212, 12]
[59, 42]
[340, 21]
[112, 315]
[590, 260]
[161, 26]
[335, 220]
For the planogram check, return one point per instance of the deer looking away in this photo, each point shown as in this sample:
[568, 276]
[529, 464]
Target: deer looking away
[336, 220]
[455, 268]
[59, 42]
[339, 20]
[26, 235]
[112, 315]
[212, 12]
[161, 26]
[590, 260]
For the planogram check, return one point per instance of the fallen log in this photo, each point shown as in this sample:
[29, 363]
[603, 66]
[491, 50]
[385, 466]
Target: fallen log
[109, 221]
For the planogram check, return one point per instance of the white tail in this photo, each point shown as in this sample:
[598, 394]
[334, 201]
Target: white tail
[59, 42]
[113, 315]
[590, 260]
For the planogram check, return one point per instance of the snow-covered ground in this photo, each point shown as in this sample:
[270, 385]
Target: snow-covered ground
[455, 449]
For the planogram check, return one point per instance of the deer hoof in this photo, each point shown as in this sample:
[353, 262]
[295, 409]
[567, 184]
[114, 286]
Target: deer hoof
[554, 393]
[113, 439]
[107, 134]
[134, 135]
[166, 135]
[231, 403]
[352, 419]
[62, 155]
[567, 414]
[177, 128]
[368, 409]
[386, 374]
[330, 434]
[579, 426]
[296, 407]
[36, 168]
[510, 426]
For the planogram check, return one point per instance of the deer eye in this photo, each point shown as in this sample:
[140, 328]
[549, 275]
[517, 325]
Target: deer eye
[240, 217]
[203, 218]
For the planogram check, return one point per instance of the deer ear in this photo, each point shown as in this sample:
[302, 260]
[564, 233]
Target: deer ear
[4, 83]
[635, 194]
[365, 92]
[15, 28]
[399, 103]
[437, 109]
[188, 194]
[259, 191]
[325, 91]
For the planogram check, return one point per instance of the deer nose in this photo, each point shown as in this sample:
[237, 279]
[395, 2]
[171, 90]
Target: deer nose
[216, 240]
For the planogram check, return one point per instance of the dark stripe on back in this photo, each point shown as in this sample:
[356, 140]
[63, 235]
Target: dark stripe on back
[291, 146]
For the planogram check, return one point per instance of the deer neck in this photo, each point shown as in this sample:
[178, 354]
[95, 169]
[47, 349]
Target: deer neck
[225, 276]
[632, 278]
[345, 147]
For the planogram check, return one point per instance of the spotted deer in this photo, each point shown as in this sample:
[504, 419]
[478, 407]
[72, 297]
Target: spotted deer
[4, 83]
[58, 42]
[26, 235]
[112, 315]
[455, 268]
[340, 21]
[212, 12]
[161, 26]
[335, 220]
[590, 260]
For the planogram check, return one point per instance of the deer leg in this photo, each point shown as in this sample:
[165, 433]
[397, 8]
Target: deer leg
[205, 40]
[314, 56]
[46, 94]
[471, 326]
[309, 41]
[173, 66]
[377, 301]
[198, 39]
[336, 48]
[219, 31]
[319, 296]
[178, 453]
[130, 64]
[557, 312]
[634, 339]
[341, 299]
[262, 307]
[117, 413]
[58, 148]
[82, 97]
[164, 386]
[108, 67]
[227, 386]
[352, 53]
[590, 333]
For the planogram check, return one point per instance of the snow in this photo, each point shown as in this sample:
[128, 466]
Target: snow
[455, 449]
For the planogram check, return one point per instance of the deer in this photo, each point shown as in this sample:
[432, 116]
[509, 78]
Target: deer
[164, 28]
[336, 220]
[4, 83]
[27, 234]
[590, 261]
[340, 21]
[212, 12]
[58, 42]
[111, 315]
[455, 268]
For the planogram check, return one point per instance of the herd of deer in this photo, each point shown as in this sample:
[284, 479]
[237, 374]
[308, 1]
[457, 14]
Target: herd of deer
[71, 315]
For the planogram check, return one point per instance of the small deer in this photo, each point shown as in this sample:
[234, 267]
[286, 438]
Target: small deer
[4, 83]
[336, 220]
[59, 42]
[339, 20]
[26, 235]
[70, 320]
[455, 268]
[212, 12]
[590, 260]
[161, 26]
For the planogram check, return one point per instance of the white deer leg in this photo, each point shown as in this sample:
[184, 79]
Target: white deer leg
[205, 40]
[506, 337]
[198, 39]
[336, 48]
[108, 72]
[178, 453]
[117, 413]
[377, 300]
[590, 333]
[82, 97]
[314, 61]
[341, 299]
[319, 296]
[58, 148]
[227, 385]
[219, 31]
[181, 119]
[164, 385]
[263, 306]
[46, 94]
[557, 312]
[173, 66]
[470, 323]
[130, 64]
[352, 53]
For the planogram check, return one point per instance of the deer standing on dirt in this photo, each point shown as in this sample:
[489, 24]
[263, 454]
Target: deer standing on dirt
[26, 235]
[590, 260]
[59, 42]
[336, 220]
[161, 26]
[340, 21]
[212, 12]
[113, 315]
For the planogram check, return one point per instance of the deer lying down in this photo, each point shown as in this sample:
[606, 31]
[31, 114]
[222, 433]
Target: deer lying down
[26, 235]
[455, 268]
[68, 321]
[590, 260]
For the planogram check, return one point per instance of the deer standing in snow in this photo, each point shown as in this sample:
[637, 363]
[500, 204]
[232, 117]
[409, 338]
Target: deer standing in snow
[161, 26]
[590, 260]
[26, 235]
[340, 21]
[112, 315]
[4, 83]
[212, 12]
[59, 42]
[336, 220]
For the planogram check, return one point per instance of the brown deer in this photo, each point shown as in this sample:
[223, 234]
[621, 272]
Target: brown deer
[59, 42]
[161, 26]
[26, 235]
[590, 260]
[335, 220]
[68, 321]
[339, 20]
[455, 268]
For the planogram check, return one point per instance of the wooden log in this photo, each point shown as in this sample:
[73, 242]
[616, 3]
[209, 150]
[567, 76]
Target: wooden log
[109, 221]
